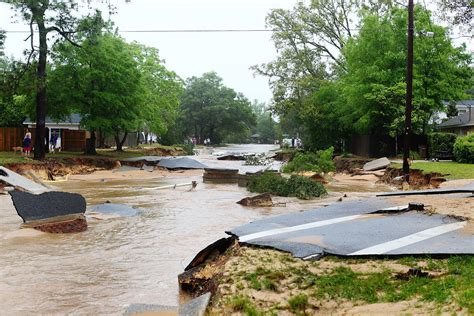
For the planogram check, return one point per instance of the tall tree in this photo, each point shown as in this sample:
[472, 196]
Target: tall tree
[461, 12]
[309, 39]
[162, 89]
[116, 86]
[374, 85]
[102, 82]
[266, 126]
[212, 110]
[2, 42]
[48, 17]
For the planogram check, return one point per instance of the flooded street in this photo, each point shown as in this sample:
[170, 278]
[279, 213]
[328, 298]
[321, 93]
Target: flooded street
[123, 260]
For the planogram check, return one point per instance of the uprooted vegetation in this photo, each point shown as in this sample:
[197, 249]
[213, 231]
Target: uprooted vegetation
[320, 162]
[296, 186]
[268, 282]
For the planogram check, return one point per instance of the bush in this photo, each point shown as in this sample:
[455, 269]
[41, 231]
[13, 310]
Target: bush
[441, 142]
[297, 186]
[188, 148]
[464, 149]
[321, 161]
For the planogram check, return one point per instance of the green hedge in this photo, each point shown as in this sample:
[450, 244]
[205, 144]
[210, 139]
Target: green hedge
[464, 149]
[298, 186]
[321, 161]
[441, 142]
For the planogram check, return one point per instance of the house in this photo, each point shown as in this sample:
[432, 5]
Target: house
[71, 137]
[461, 124]
[462, 107]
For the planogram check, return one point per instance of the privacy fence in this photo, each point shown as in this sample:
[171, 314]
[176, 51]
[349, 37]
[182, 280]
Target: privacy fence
[71, 140]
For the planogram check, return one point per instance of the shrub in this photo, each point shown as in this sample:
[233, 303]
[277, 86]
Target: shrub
[304, 188]
[464, 149]
[188, 148]
[267, 182]
[297, 186]
[321, 161]
[441, 142]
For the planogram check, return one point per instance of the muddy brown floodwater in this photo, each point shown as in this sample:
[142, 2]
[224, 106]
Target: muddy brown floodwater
[122, 260]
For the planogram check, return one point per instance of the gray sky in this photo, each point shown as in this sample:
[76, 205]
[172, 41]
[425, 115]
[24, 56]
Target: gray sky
[192, 54]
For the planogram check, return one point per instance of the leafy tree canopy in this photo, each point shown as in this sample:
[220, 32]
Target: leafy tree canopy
[374, 85]
[212, 110]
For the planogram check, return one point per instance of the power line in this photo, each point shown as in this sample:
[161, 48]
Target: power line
[180, 31]
[200, 31]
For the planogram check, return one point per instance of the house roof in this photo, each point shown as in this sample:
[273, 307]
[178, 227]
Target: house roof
[74, 119]
[463, 103]
[466, 119]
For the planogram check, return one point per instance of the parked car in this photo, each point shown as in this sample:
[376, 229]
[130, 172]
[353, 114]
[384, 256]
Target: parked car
[285, 143]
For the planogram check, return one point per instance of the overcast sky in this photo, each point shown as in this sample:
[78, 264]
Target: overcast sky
[191, 54]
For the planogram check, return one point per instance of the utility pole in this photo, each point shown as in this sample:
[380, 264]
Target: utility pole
[409, 94]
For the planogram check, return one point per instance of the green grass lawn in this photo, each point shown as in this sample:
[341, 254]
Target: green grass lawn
[7, 157]
[452, 170]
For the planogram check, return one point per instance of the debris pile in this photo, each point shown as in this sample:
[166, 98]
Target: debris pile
[261, 200]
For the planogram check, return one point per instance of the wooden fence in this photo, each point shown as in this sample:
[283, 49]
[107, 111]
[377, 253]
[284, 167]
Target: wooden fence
[73, 140]
[13, 137]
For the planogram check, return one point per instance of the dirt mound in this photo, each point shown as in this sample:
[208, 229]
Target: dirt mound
[418, 179]
[158, 151]
[349, 164]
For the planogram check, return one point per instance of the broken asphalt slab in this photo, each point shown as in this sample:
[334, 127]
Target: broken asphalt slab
[352, 229]
[16, 180]
[195, 307]
[33, 207]
[150, 309]
[154, 159]
[377, 164]
[181, 163]
[464, 189]
[114, 209]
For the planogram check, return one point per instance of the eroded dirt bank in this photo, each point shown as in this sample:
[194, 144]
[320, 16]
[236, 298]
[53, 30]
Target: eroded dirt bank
[52, 168]
[257, 281]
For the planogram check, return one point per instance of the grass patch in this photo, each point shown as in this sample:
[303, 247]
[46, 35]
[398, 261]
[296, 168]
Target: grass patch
[298, 303]
[295, 186]
[7, 157]
[455, 285]
[452, 170]
[332, 280]
[244, 304]
[264, 279]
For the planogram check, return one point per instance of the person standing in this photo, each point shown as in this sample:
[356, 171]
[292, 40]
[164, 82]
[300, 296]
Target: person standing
[27, 143]
[52, 142]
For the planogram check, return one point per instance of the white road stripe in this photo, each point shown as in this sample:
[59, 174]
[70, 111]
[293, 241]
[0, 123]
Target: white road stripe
[409, 240]
[290, 229]
[317, 255]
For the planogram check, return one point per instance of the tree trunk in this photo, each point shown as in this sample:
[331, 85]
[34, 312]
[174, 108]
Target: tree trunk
[90, 145]
[40, 145]
[119, 142]
[101, 138]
